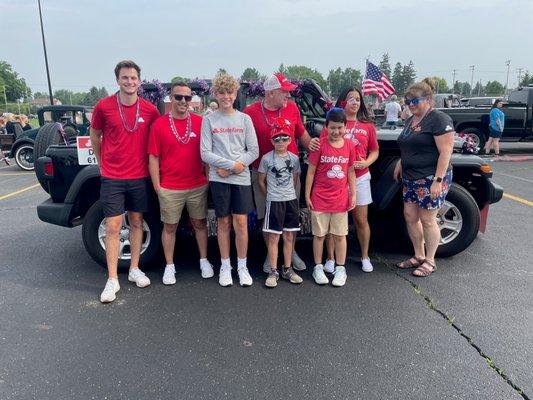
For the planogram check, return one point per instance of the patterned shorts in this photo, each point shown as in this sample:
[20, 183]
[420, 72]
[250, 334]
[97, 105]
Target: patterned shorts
[417, 191]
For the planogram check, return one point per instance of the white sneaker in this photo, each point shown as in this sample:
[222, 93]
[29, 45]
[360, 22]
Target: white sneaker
[319, 275]
[367, 265]
[137, 276]
[297, 263]
[224, 276]
[339, 279]
[169, 277]
[110, 290]
[244, 277]
[329, 266]
[207, 270]
[266, 265]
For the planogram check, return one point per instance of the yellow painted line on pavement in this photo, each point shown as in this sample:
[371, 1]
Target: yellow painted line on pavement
[6, 196]
[512, 197]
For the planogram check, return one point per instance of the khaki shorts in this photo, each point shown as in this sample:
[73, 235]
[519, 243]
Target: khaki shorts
[171, 203]
[260, 198]
[323, 223]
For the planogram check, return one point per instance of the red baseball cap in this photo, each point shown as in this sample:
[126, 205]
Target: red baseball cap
[281, 126]
[278, 81]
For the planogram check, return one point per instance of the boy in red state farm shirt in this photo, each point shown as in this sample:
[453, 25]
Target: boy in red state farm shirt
[361, 131]
[178, 176]
[329, 174]
[119, 136]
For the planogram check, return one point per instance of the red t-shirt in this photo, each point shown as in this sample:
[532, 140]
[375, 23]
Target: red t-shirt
[262, 129]
[180, 165]
[123, 154]
[330, 184]
[363, 135]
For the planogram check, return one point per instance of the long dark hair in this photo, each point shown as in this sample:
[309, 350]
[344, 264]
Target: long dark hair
[362, 114]
[495, 104]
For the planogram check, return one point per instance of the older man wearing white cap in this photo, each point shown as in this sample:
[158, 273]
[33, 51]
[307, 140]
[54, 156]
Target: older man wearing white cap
[263, 113]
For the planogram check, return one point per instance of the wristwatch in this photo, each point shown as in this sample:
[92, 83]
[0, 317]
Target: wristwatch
[437, 179]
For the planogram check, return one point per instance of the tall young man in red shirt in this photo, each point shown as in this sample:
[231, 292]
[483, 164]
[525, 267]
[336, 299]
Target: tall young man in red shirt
[178, 176]
[119, 136]
[263, 113]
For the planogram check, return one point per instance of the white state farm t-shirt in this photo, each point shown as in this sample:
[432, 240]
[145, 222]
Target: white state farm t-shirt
[392, 109]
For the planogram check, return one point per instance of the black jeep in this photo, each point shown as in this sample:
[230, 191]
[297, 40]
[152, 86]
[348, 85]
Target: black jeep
[74, 191]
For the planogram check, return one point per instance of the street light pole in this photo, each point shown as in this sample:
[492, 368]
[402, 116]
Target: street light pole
[508, 63]
[472, 80]
[45, 56]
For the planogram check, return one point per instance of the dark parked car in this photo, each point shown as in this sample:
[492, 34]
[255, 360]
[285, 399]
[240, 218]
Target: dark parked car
[74, 119]
[74, 191]
[474, 121]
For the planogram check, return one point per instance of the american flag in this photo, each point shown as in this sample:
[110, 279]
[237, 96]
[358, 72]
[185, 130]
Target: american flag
[376, 82]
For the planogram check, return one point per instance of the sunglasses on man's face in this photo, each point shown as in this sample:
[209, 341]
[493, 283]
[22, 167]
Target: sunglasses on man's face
[414, 102]
[180, 97]
[279, 139]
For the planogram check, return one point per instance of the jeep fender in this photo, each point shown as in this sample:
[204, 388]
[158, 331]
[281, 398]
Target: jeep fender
[386, 188]
[17, 143]
[89, 172]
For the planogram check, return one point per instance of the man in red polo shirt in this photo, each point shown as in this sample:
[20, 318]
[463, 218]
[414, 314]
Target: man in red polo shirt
[178, 176]
[263, 113]
[119, 136]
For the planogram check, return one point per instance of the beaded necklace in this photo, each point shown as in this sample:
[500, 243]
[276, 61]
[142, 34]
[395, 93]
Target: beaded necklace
[123, 118]
[270, 125]
[185, 139]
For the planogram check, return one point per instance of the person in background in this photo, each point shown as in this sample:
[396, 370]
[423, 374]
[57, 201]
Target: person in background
[392, 112]
[496, 126]
[213, 106]
[229, 146]
[426, 145]
[24, 122]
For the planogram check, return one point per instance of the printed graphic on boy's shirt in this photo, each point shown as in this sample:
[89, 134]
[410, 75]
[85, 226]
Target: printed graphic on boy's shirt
[284, 174]
[335, 172]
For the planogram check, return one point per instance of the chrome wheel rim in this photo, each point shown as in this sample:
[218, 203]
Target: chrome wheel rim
[450, 222]
[124, 250]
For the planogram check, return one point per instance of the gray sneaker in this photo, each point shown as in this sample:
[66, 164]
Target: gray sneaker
[290, 275]
[297, 262]
[272, 279]
[266, 265]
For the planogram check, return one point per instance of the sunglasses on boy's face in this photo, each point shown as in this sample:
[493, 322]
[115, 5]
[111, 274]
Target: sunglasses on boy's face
[279, 139]
[414, 102]
[180, 97]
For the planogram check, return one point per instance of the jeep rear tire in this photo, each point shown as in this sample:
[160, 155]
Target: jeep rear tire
[49, 135]
[93, 234]
[458, 220]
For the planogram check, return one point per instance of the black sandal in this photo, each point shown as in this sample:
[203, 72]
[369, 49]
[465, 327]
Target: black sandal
[425, 269]
[408, 263]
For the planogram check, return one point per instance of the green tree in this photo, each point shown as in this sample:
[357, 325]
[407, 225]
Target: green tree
[494, 88]
[222, 71]
[338, 79]
[250, 74]
[179, 79]
[64, 96]
[384, 65]
[282, 69]
[15, 86]
[408, 76]
[479, 90]
[94, 94]
[441, 86]
[303, 72]
[527, 79]
[397, 78]
[462, 88]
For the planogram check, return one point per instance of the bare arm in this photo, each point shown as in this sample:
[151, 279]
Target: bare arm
[351, 184]
[445, 145]
[153, 167]
[311, 169]
[96, 143]
[261, 179]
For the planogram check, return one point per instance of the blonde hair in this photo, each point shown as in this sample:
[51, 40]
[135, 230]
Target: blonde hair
[424, 88]
[225, 83]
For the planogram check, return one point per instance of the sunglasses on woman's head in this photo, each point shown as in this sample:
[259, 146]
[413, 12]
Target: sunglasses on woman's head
[279, 139]
[180, 97]
[414, 102]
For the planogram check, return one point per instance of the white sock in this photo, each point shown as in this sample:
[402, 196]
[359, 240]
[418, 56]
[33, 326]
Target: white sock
[113, 279]
[204, 261]
[170, 265]
[241, 263]
[225, 262]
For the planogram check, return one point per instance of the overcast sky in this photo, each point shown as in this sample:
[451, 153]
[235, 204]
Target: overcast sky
[85, 39]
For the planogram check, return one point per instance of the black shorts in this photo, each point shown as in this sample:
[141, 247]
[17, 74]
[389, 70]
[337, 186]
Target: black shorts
[231, 199]
[119, 195]
[282, 216]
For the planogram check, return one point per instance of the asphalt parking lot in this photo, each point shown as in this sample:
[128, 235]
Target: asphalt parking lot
[465, 332]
